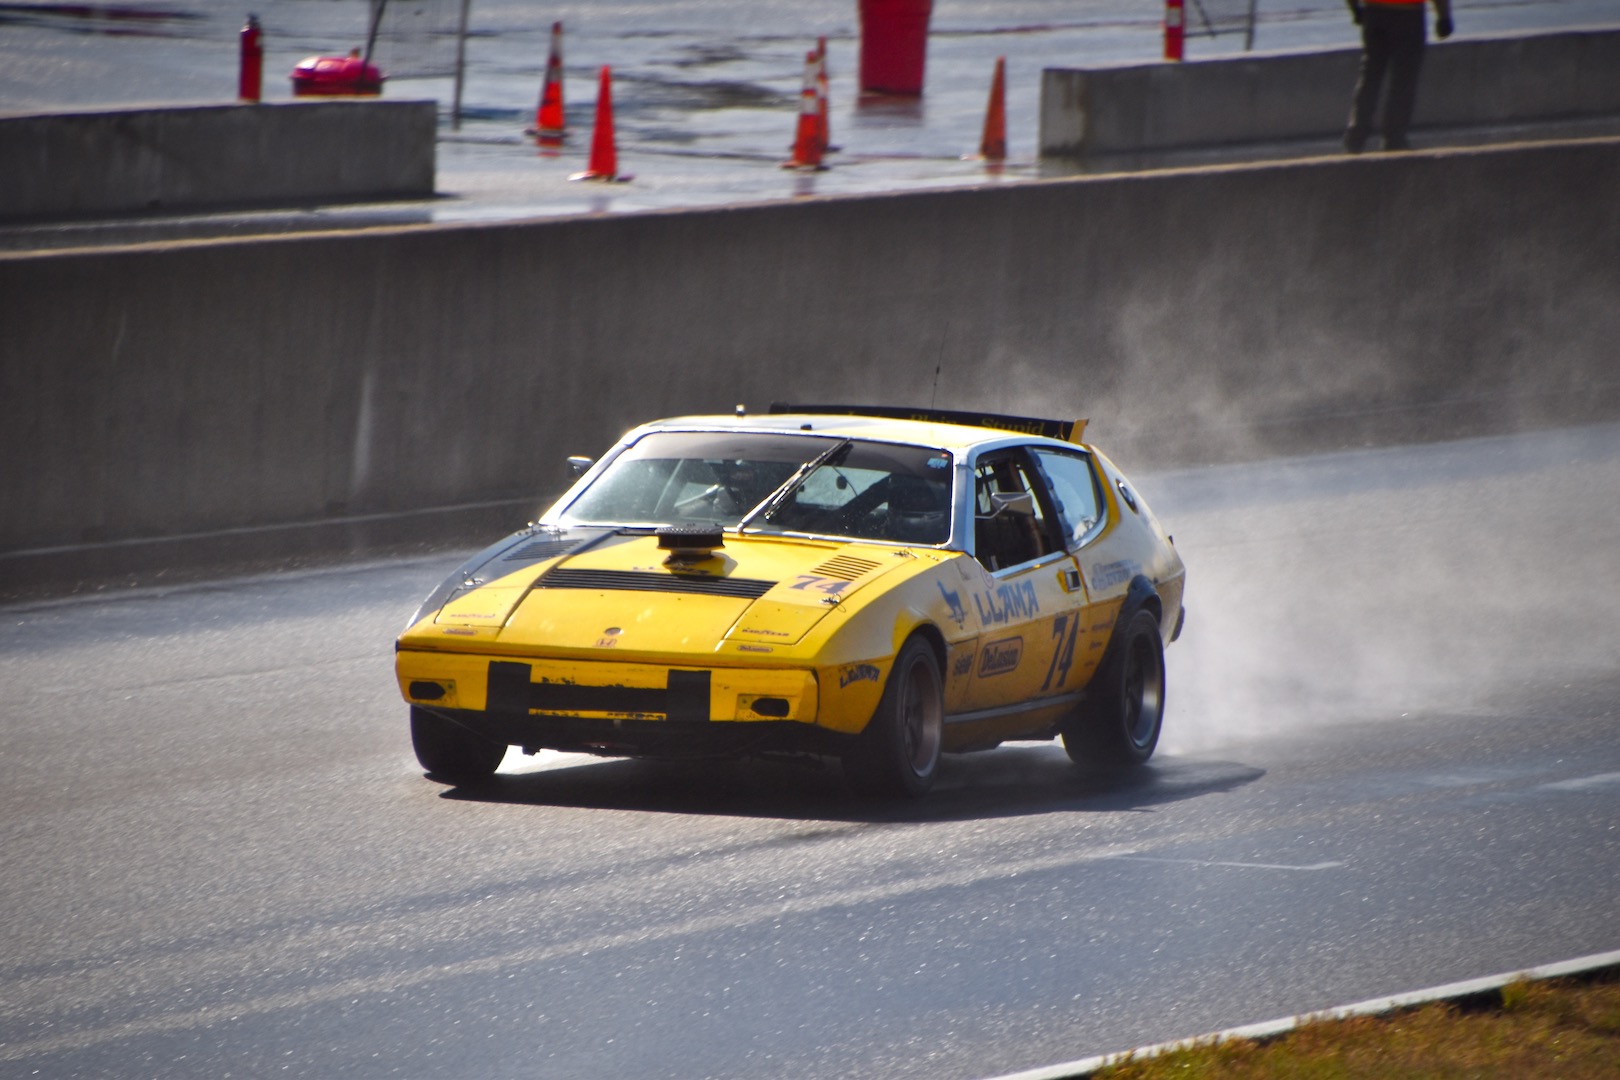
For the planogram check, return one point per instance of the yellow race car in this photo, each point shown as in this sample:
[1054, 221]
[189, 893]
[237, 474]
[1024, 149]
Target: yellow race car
[876, 585]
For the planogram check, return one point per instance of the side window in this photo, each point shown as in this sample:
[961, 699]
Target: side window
[1074, 489]
[1010, 523]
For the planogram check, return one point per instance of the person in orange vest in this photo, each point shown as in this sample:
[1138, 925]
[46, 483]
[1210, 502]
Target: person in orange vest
[1393, 33]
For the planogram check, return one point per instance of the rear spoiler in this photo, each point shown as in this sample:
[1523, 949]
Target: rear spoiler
[1067, 430]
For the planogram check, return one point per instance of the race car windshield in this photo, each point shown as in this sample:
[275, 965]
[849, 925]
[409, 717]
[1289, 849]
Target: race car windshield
[863, 490]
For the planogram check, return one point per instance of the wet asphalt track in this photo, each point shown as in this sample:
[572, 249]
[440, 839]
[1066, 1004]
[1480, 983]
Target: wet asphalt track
[1390, 762]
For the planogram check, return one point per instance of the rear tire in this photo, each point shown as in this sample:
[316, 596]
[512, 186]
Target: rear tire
[898, 753]
[450, 752]
[1117, 726]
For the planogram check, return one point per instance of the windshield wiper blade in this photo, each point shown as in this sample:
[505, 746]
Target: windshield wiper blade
[833, 455]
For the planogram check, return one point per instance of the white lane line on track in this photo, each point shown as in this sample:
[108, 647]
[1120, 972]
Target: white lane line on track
[1241, 865]
[349, 989]
[1084, 1067]
[1584, 783]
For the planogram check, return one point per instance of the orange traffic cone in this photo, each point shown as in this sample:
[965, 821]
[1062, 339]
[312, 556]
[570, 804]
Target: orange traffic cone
[549, 123]
[604, 163]
[823, 124]
[993, 147]
[807, 143]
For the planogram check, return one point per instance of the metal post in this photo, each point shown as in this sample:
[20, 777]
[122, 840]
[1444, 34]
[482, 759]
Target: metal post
[377, 7]
[461, 66]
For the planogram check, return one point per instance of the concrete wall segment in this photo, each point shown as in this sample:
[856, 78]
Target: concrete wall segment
[180, 388]
[67, 165]
[1266, 98]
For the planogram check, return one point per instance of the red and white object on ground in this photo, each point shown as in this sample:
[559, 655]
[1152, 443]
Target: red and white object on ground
[993, 144]
[549, 122]
[250, 81]
[807, 144]
[336, 76]
[604, 160]
[1175, 29]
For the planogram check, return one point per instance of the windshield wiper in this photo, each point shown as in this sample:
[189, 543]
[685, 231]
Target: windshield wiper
[833, 455]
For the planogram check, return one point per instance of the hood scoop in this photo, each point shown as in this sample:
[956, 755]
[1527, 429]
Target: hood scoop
[689, 544]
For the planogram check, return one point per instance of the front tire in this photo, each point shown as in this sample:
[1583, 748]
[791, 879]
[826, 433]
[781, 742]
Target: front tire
[1117, 726]
[450, 752]
[898, 753]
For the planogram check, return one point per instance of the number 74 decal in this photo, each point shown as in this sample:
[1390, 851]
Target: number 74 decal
[1065, 628]
[816, 583]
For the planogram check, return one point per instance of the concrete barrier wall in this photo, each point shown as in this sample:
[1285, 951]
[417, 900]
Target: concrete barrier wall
[1481, 83]
[177, 389]
[73, 165]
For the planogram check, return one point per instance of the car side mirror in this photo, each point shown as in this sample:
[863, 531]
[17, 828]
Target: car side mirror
[1020, 502]
[580, 464]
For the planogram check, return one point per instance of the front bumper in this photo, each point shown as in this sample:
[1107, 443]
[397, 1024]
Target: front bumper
[649, 738]
[601, 690]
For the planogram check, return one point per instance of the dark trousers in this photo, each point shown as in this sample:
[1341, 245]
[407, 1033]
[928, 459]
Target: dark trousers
[1392, 37]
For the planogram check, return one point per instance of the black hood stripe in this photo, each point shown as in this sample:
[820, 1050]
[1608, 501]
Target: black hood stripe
[645, 581]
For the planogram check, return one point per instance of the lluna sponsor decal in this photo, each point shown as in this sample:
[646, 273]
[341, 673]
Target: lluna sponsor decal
[855, 673]
[1000, 657]
[1014, 600]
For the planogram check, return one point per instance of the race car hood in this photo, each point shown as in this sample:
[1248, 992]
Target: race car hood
[752, 595]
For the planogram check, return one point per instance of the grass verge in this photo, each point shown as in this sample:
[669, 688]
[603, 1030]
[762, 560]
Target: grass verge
[1565, 1028]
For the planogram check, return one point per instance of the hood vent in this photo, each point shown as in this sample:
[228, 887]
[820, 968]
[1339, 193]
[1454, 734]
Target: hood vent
[644, 581]
[540, 549]
[845, 567]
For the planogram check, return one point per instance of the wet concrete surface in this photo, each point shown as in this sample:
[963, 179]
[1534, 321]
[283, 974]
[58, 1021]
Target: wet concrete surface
[704, 107]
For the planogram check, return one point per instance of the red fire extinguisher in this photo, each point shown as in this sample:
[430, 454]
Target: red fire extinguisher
[252, 79]
[1175, 29]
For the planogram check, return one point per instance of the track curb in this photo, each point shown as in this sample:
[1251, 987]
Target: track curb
[1268, 1029]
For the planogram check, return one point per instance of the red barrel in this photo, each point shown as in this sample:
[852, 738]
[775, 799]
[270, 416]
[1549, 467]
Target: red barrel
[894, 45]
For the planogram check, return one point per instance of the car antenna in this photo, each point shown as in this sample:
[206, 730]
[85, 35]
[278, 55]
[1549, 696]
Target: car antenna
[932, 397]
